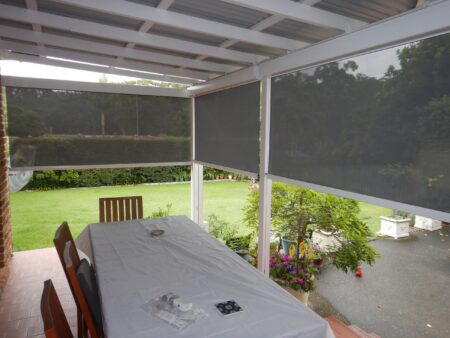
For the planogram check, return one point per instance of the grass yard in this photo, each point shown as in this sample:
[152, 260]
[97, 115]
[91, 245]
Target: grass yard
[37, 214]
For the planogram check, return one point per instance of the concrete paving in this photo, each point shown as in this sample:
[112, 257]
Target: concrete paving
[406, 294]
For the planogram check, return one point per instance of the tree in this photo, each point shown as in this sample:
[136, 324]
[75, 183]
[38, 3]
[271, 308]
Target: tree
[296, 212]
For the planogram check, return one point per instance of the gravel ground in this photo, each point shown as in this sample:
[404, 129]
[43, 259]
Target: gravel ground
[404, 295]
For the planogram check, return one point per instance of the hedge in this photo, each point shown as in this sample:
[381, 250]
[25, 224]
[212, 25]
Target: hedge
[58, 179]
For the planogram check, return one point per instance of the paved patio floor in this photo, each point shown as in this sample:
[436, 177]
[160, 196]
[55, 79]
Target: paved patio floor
[20, 314]
[406, 294]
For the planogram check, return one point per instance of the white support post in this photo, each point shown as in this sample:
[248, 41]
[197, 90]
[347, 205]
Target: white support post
[265, 183]
[197, 193]
[196, 177]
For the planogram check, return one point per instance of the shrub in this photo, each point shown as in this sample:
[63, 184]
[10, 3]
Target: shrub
[57, 179]
[296, 212]
[162, 212]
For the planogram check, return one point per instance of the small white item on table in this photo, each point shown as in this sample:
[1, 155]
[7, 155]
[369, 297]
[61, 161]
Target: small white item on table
[175, 311]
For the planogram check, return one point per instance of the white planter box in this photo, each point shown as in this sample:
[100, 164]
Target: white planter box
[427, 223]
[326, 241]
[396, 228]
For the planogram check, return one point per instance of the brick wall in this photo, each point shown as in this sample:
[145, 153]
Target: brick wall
[5, 216]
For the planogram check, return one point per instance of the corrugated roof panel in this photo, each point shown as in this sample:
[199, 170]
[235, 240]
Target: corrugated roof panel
[14, 24]
[219, 11]
[226, 62]
[301, 31]
[71, 34]
[186, 35]
[17, 3]
[164, 51]
[152, 3]
[88, 14]
[367, 10]
[255, 49]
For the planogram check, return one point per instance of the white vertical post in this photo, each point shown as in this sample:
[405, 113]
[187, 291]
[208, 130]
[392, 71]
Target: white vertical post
[197, 193]
[265, 184]
[196, 178]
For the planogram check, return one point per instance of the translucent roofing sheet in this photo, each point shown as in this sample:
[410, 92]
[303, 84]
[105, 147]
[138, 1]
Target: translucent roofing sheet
[370, 10]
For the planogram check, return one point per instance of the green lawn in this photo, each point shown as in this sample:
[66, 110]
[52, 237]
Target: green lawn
[371, 215]
[36, 215]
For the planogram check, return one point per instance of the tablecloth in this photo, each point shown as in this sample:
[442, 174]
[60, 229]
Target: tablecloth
[133, 267]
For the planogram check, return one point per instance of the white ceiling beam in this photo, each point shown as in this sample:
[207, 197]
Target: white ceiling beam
[185, 22]
[147, 25]
[111, 50]
[26, 82]
[263, 24]
[124, 35]
[100, 60]
[32, 4]
[4, 55]
[301, 12]
[406, 27]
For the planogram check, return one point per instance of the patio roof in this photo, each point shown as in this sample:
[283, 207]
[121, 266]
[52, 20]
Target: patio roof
[180, 41]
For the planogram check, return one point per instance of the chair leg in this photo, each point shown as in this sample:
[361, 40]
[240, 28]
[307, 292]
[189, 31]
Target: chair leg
[80, 324]
[85, 329]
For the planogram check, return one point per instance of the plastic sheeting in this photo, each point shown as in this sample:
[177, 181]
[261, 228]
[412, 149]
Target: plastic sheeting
[133, 267]
[18, 179]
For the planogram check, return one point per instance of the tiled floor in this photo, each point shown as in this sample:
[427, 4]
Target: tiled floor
[20, 314]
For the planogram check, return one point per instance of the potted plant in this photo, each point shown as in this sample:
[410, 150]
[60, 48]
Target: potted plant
[298, 273]
[240, 245]
[397, 225]
[230, 236]
[297, 212]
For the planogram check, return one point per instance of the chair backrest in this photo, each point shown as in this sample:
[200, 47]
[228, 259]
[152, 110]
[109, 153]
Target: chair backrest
[62, 236]
[113, 209]
[72, 264]
[55, 321]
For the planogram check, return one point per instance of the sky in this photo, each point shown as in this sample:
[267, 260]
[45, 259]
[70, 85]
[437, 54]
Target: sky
[27, 69]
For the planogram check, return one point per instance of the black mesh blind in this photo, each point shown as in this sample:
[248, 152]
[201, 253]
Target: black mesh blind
[377, 124]
[227, 127]
[49, 128]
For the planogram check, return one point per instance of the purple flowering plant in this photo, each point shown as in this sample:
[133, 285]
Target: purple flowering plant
[300, 272]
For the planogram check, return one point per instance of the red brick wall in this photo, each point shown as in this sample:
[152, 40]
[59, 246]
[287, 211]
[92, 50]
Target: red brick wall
[5, 216]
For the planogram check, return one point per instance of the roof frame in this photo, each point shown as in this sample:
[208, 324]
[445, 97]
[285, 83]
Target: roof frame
[147, 25]
[266, 23]
[415, 24]
[186, 22]
[112, 50]
[123, 35]
[301, 12]
[102, 60]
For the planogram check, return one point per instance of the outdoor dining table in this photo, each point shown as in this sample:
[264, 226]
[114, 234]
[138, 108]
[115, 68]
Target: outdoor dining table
[133, 267]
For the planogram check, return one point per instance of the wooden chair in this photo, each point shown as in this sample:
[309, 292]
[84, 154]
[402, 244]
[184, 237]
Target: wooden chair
[55, 322]
[72, 266]
[62, 236]
[113, 209]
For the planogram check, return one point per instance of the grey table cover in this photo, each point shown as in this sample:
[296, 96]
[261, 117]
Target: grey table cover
[133, 267]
